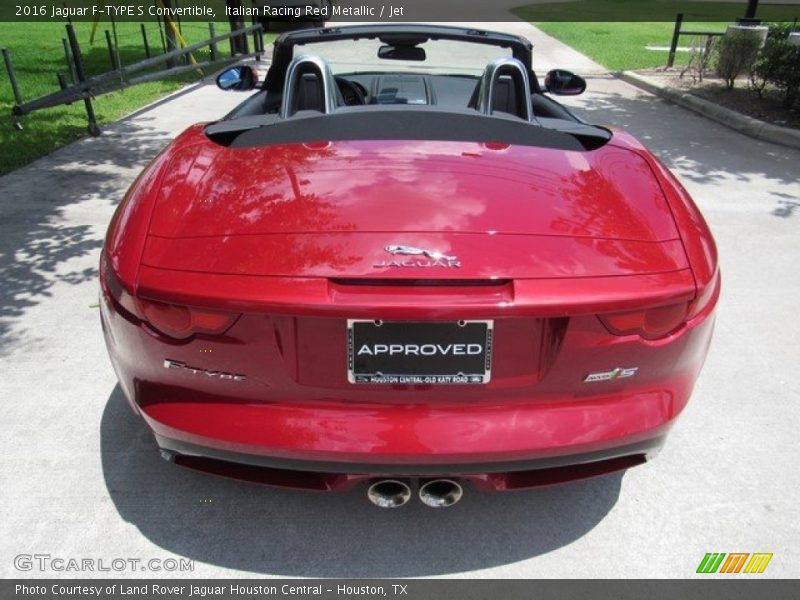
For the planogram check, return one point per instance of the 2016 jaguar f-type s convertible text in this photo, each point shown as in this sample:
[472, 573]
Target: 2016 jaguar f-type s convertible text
[400, 262]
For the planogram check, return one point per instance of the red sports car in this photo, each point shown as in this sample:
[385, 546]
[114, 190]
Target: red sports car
[400, 262]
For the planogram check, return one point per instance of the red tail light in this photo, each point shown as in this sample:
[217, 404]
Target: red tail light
[179, 322]
[707, 296]
[658, 322]
[651, 323]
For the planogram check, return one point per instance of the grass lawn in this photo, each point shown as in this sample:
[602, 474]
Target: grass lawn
[38, 55]
[622, 46]
[605, 31]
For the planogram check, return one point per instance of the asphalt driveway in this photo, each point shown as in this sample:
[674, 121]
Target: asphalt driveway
[80, 476]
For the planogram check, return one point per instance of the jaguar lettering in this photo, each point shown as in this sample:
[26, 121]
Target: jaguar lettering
[426, 258]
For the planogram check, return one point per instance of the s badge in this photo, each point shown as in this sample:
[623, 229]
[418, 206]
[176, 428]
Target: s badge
[618, 373]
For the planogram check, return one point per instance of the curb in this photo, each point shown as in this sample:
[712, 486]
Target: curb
[730, 118]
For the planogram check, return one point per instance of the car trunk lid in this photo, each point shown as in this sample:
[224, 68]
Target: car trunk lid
[412, 210]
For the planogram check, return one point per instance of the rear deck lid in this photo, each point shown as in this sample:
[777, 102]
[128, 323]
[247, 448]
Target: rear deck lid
[472, 210]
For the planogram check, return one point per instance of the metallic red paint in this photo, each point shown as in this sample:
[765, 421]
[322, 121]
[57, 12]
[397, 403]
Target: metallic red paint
[280, 235]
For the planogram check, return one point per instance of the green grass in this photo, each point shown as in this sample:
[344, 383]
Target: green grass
[608, 31]
[38, 56]
[622, 46]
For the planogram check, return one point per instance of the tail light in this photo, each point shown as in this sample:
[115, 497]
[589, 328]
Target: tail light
[654, 323]
[177, 322]
[707, 296]
[181, 322]
[650, 324]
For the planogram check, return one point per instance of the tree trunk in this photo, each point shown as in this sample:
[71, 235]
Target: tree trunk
[239, 43]
[169, 32]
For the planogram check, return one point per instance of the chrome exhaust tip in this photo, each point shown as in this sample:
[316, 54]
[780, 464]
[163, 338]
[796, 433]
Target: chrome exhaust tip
[389, 493]
[440, 493]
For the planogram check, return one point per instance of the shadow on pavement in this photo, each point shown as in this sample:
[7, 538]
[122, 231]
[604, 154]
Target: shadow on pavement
[53, 216]
[259, 529]
[696, 148]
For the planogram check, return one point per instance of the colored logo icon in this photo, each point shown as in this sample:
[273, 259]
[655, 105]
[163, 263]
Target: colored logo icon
[736, 562]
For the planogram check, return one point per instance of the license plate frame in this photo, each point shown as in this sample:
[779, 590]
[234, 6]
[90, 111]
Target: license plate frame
[445, 352]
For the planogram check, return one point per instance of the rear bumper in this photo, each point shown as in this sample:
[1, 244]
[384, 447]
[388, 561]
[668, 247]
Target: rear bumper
[646, 448]
[413, 439]
[459, 444]
[329, 476]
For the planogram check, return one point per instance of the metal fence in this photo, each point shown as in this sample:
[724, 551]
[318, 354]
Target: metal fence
[678, 32]
[76, 84]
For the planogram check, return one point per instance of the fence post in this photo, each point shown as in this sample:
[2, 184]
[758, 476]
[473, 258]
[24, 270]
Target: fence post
[144, 39]
[676, 33]
[69, 18]
[116, 39]
[161, 32]
[111, 54]
[12, 76]
[257, 42]
[239, 43]
[68, 57]
[117, 57]
[173, 43]
[94, 129]
[213, 46]
[178, 17]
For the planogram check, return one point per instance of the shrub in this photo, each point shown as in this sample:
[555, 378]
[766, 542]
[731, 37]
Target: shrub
[700, 59]
[737, 51]
[779, 64]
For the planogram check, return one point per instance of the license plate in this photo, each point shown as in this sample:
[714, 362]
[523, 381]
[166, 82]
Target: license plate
[419, 352]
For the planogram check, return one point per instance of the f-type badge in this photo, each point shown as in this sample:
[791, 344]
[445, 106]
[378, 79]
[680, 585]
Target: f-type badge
[182, 366]
[424, 258]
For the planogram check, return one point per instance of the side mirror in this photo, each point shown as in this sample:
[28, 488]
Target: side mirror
[238, 79]
[401, 53]
[564, 83]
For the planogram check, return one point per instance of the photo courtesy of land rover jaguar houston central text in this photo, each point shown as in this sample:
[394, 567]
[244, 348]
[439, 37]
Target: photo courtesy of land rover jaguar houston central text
[400, 264]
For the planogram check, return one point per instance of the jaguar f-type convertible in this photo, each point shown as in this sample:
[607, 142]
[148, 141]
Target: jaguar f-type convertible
[399, 263]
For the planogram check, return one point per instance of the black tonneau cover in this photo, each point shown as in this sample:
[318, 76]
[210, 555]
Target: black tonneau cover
[405, 123]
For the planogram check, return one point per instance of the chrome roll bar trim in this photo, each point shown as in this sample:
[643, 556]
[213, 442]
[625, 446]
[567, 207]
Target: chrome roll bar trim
[323, 69]
[492, 73]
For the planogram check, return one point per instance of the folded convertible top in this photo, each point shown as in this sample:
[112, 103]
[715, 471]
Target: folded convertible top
[406, 123]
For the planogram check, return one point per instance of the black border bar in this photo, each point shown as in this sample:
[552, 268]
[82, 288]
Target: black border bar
[732, 588]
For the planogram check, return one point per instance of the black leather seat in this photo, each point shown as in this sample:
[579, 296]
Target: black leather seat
[308, 93]
[508, 96]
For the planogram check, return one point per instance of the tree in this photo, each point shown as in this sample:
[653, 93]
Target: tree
[173, 43]
[239, 43]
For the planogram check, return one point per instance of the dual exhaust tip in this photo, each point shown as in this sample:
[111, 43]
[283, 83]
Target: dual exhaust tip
[436, 493]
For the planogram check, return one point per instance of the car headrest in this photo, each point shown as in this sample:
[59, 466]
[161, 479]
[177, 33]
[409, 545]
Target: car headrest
[505, 86]
[309, 85]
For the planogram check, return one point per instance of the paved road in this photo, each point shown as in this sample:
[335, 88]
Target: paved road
[80, 476]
